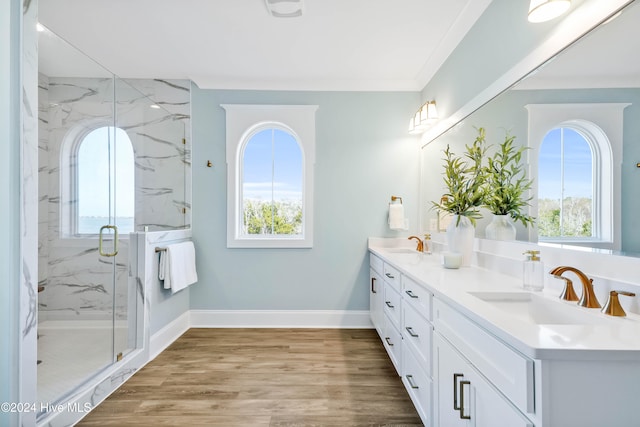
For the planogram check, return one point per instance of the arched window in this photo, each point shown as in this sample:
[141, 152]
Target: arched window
[270, 158]
[566, 193]
[272, 182]
[101, 189]
[576, 155]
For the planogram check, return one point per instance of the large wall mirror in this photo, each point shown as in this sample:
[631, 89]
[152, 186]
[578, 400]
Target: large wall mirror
[579, 114]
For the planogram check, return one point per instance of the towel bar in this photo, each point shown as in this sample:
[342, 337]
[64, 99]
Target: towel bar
[394, 198]
[161, 250]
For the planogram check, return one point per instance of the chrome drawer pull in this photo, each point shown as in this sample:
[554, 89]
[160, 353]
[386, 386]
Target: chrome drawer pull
[462, 415]
[410, 330]
[410, 381]
[411, 294]
[455, 391]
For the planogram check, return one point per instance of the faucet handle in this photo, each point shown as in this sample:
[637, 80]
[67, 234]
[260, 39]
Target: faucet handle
[568, 293]
[613, 307]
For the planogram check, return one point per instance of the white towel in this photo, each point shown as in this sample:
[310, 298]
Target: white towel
[178, 266]
[396, 216]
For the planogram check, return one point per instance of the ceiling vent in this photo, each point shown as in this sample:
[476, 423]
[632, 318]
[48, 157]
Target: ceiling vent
[285, 8]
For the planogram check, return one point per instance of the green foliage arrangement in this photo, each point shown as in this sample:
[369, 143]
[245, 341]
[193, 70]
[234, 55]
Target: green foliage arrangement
[506, 182]
[465, 180]
[271, 218]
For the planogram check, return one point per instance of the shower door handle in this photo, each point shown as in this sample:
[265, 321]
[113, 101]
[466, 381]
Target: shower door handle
[115, 241]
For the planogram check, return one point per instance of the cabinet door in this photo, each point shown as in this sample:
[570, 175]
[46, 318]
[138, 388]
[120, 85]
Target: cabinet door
[465, 398]
[376, 285]
[452, 409]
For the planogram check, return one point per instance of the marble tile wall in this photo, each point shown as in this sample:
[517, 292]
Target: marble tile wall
[29, 211]
[77, 281]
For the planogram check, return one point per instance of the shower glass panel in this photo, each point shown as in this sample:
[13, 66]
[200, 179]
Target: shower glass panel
[75, 309]
[110, 160]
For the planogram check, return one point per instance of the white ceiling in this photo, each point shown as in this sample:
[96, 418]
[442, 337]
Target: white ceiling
[377, 45]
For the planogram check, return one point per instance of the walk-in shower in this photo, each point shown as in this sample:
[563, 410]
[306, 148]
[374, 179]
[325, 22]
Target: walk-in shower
[111, 162]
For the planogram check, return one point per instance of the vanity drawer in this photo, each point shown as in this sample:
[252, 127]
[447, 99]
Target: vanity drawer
[417, 296]
[508, 370]
[418, 334]
[392, 276]
[393, 344]
[391, 304]
[376, 263]
[419, 385]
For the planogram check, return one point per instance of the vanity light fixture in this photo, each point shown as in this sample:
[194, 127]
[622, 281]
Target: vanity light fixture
[426, 115]
[546, 10]
[285, 8]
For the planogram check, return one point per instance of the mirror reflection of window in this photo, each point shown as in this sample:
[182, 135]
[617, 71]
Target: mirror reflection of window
[565, 192]
[105, 189]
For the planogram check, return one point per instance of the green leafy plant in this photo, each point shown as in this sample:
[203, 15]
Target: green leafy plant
[465, 179]
[506, 182]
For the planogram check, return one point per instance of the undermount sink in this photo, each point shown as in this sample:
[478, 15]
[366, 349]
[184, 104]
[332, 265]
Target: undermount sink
[537, 309]
[408, 255]
[403, 251]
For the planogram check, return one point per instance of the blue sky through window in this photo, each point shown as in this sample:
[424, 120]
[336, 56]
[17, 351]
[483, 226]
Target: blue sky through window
[96, 177]
[578, 168]
[272, 167]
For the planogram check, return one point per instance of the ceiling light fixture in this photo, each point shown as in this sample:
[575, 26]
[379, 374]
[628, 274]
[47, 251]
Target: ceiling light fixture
[426, 116]
[546, 10]
[285, 8]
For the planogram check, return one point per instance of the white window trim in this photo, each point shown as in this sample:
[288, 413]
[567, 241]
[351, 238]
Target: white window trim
[590, 119]
[242, 121]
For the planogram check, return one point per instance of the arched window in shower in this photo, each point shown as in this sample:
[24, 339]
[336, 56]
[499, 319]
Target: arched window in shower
[100, 188]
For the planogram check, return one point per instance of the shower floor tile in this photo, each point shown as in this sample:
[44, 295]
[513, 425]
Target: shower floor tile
[69, 356]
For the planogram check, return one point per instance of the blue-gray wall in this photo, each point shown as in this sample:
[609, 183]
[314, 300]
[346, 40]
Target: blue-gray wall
[363, 156]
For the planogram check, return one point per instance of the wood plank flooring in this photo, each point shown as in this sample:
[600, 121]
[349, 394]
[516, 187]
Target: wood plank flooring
[263, 377]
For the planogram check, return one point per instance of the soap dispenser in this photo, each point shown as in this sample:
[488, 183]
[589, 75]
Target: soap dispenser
[533, 271]
[427, 244]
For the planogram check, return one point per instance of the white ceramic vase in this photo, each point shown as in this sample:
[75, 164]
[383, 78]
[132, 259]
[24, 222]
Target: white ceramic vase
[500, 228]
[460, 235]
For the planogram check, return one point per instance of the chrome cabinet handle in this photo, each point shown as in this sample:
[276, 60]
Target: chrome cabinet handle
[115, 241]
[455, 391]
[389, 275]
[410, 381]
[411, 294]
[389, 304]
[410, 330]
[373, 285]
[462, 415]
[388, 340]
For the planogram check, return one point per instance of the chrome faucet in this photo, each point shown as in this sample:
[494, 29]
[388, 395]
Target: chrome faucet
[420, 246]
[588, 298]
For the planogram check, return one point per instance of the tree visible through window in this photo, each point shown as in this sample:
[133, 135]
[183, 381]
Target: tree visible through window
[565, 192]
[272, 182]
[105, 181]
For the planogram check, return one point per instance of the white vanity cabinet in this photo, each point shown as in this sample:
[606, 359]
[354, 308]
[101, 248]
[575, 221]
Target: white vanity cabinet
[464, 363]
[376, 286]
[417, 351]
[465, 398]
[390, 318]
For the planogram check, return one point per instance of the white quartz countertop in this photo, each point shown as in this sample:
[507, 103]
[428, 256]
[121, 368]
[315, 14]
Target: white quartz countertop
[604, 338]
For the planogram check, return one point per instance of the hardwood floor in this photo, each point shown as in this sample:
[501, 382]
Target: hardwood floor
[263, 377]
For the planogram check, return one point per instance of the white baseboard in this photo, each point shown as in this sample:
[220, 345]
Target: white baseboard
[167, 335]
[347, 319]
